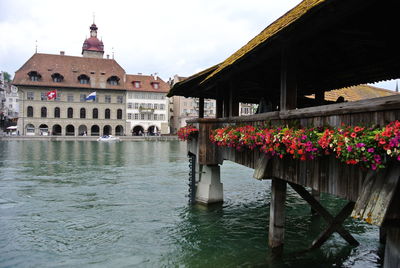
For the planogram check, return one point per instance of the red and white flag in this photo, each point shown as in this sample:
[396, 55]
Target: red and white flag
[51, 94]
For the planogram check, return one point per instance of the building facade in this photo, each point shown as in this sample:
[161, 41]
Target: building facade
[183, 109]
[72, 79]
[147, 105]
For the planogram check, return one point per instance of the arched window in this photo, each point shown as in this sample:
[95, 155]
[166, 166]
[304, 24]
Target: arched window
[34, 76]
[83, 79]
[43, 112]
[57, 112]
[107, 114]
[119, 114]
[29, 112]
[57, 77]
[113, 80]
[95, 113]
[83, 113]
[70, 113]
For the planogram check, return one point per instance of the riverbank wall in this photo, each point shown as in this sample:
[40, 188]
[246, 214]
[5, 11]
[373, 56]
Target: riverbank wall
[87, 138]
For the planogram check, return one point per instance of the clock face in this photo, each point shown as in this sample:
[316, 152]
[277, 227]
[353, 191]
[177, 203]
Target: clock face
[14, 89]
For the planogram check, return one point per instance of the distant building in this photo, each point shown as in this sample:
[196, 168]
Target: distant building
[147, 105]
[73, 79]
[184, 109]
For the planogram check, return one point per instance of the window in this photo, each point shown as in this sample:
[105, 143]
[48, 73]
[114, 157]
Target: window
[162, 117]
[34, 76]
[155, 117]
[10, 106]
[56, 112]
[10, 99]
[29, 111]
[136, 84]
[142, 116]
[70, 98]
[83, 113]
[29, 96]
[95, 113]
[150, 105]
[43, 112]
[83, 97]
[113, 80]
[70, 113]
[136, 105]
[83, 79]
[120, 99]
[119, 114]
[43, 96]
[162, 106]
[136, 116]
[107, 114]
[58, 96]
[107, 98]
[129, 116]
[130, 105]
[155, 85]
[57, 77]
[155, 106]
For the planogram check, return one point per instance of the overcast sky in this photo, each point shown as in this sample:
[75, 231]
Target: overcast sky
[160, 36]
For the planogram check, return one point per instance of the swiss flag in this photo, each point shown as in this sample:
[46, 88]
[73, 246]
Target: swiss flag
[51, 94]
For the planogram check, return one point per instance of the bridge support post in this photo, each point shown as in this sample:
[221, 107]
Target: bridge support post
[209, 189]
[277, 217]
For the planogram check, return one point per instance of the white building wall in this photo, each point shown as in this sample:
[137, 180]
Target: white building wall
[147, 109]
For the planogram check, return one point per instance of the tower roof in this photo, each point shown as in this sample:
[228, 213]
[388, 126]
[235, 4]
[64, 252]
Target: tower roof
[93, 43]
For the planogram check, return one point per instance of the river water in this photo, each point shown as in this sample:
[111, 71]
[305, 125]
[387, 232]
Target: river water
[90, 204]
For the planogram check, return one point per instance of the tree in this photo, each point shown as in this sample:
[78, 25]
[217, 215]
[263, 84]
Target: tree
[7, 77]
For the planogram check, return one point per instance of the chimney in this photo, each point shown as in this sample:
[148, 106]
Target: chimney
[155, 76]
[62, 53]
[108, 56]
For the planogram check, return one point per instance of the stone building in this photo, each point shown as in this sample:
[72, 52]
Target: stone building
[147, 105]
[72, 79]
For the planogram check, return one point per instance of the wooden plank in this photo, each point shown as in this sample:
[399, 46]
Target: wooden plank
[288, 80]
[277, 216]
[324, 213]
[261, 167]
[377, 193]
[201, 107]
[392, 248]
[335, 225]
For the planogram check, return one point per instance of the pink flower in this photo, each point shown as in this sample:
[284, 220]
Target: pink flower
[371, 150]
[349, 148]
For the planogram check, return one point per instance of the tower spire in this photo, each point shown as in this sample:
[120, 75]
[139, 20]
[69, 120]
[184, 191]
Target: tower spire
[397, 85]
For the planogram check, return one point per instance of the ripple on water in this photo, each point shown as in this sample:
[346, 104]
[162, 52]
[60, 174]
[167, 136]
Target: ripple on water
[79, 204]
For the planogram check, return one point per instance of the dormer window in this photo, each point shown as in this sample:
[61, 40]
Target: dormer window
[136, 84]
[83, 79]
[113, 80]
[34, 76]
[57, 77]
[155, 85]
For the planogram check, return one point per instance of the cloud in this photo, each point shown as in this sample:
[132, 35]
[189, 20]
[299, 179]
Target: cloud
[168, 37]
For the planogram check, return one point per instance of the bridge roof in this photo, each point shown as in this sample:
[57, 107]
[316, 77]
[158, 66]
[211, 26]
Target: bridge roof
[334, 43]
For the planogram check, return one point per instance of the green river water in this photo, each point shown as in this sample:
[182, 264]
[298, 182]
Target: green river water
[90, 204]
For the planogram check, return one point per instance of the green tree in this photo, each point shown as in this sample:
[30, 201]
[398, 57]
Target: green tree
[7, 76]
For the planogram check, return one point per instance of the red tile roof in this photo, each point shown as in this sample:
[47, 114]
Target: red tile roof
[146, 82]
[70, 67]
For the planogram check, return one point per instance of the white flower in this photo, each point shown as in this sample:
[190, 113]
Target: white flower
[389, 152]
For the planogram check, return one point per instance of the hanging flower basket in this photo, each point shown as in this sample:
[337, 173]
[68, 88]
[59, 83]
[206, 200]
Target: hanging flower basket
[370, 148]
[187, 132]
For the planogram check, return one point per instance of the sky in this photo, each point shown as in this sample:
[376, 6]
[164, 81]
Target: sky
[166, 37]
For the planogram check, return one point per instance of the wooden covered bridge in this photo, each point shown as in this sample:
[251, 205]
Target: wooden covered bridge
[318, 46]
